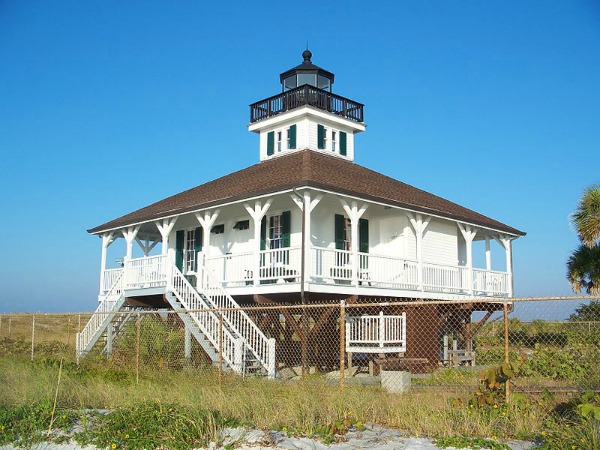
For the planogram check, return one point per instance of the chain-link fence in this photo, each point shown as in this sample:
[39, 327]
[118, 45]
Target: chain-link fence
[398, 347]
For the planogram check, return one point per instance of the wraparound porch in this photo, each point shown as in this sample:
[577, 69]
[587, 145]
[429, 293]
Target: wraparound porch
[327, 270]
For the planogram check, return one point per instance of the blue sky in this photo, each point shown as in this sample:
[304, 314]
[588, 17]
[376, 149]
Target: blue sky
[108, 106]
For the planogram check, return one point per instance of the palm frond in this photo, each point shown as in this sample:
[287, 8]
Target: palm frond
[583, 269]
[586, 219]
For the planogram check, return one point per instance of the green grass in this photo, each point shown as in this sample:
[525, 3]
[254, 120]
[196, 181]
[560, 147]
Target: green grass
[190, 400]
[194, 405]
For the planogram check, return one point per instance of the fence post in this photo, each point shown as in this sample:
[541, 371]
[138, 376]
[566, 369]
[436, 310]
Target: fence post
[342, 341]
[68, 330]
[304, 343]
[506, 359]
[32, 335]
[220, 347]
[187, 345]
[9, 324]
[137, 350]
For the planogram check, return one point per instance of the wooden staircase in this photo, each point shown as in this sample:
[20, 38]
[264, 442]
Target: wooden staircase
[211, 316]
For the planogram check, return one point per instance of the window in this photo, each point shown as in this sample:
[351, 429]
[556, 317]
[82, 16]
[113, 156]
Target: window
[218, 229]
[279, 141]
[242, 225]
[307, 78]
[190, 251]
[343, 237]
[333, 141]
[323, 83]
[188, 244]
[275, 235]
[347, 234]
[275, 232]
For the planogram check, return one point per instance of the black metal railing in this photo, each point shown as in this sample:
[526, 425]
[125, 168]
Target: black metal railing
[306, 96]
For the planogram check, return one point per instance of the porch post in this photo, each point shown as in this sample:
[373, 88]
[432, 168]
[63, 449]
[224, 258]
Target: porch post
[507, 244]
[107, 239]
[129, 234]
[354, 213]
[207, 220]
[419, 225]
[257, 213]
[306, 205]
[488, 265]
[469, 235]
[165, 227]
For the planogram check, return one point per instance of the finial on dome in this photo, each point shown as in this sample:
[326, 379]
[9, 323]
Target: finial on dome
[306, 54]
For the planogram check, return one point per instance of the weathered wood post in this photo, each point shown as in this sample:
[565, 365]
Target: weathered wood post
[506, 358]
[32, 335]
[220, 347]
[137, 350]
[342, 341]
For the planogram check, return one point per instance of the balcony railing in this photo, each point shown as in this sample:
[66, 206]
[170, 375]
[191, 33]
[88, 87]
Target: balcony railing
[306, 96]
[376, 334]
[324, 266]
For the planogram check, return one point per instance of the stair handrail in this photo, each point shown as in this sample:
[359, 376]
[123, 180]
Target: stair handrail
[262, 347]
[97, 319]
[207, 321]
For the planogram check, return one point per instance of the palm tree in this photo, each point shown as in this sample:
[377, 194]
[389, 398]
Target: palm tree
[583, 269]
[586, 219]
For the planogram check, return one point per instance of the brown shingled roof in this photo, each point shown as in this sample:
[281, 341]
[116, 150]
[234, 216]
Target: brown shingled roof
[305, 168]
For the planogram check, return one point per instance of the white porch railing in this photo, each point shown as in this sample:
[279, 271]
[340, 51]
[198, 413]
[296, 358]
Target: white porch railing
[109, 277]
[103, 314]
[239, 269]
[146, 272]
[442, 278]
[207, 321]
[376, 334]
[490, 282]
[388, 272]
[240, 333]
[262, 347]
[323, 266]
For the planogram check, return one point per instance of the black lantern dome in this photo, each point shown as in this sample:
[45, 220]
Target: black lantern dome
[306, 73]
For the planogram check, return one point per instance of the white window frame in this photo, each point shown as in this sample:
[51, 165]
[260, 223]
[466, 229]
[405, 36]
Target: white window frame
[333, 140]
[189, 251]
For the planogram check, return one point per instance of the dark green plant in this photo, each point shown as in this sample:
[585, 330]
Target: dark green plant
[470, 442]
[153, 425]
[492, 384]
[587, 313]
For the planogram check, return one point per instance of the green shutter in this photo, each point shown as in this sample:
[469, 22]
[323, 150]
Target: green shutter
[285, 228]
[179, 249]
[343, 144]
[363, 236]
[270, 143]
[339, 232]
[292, 137]
[363, 242]
[320, 137]
[198, 247]
[263, 233]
